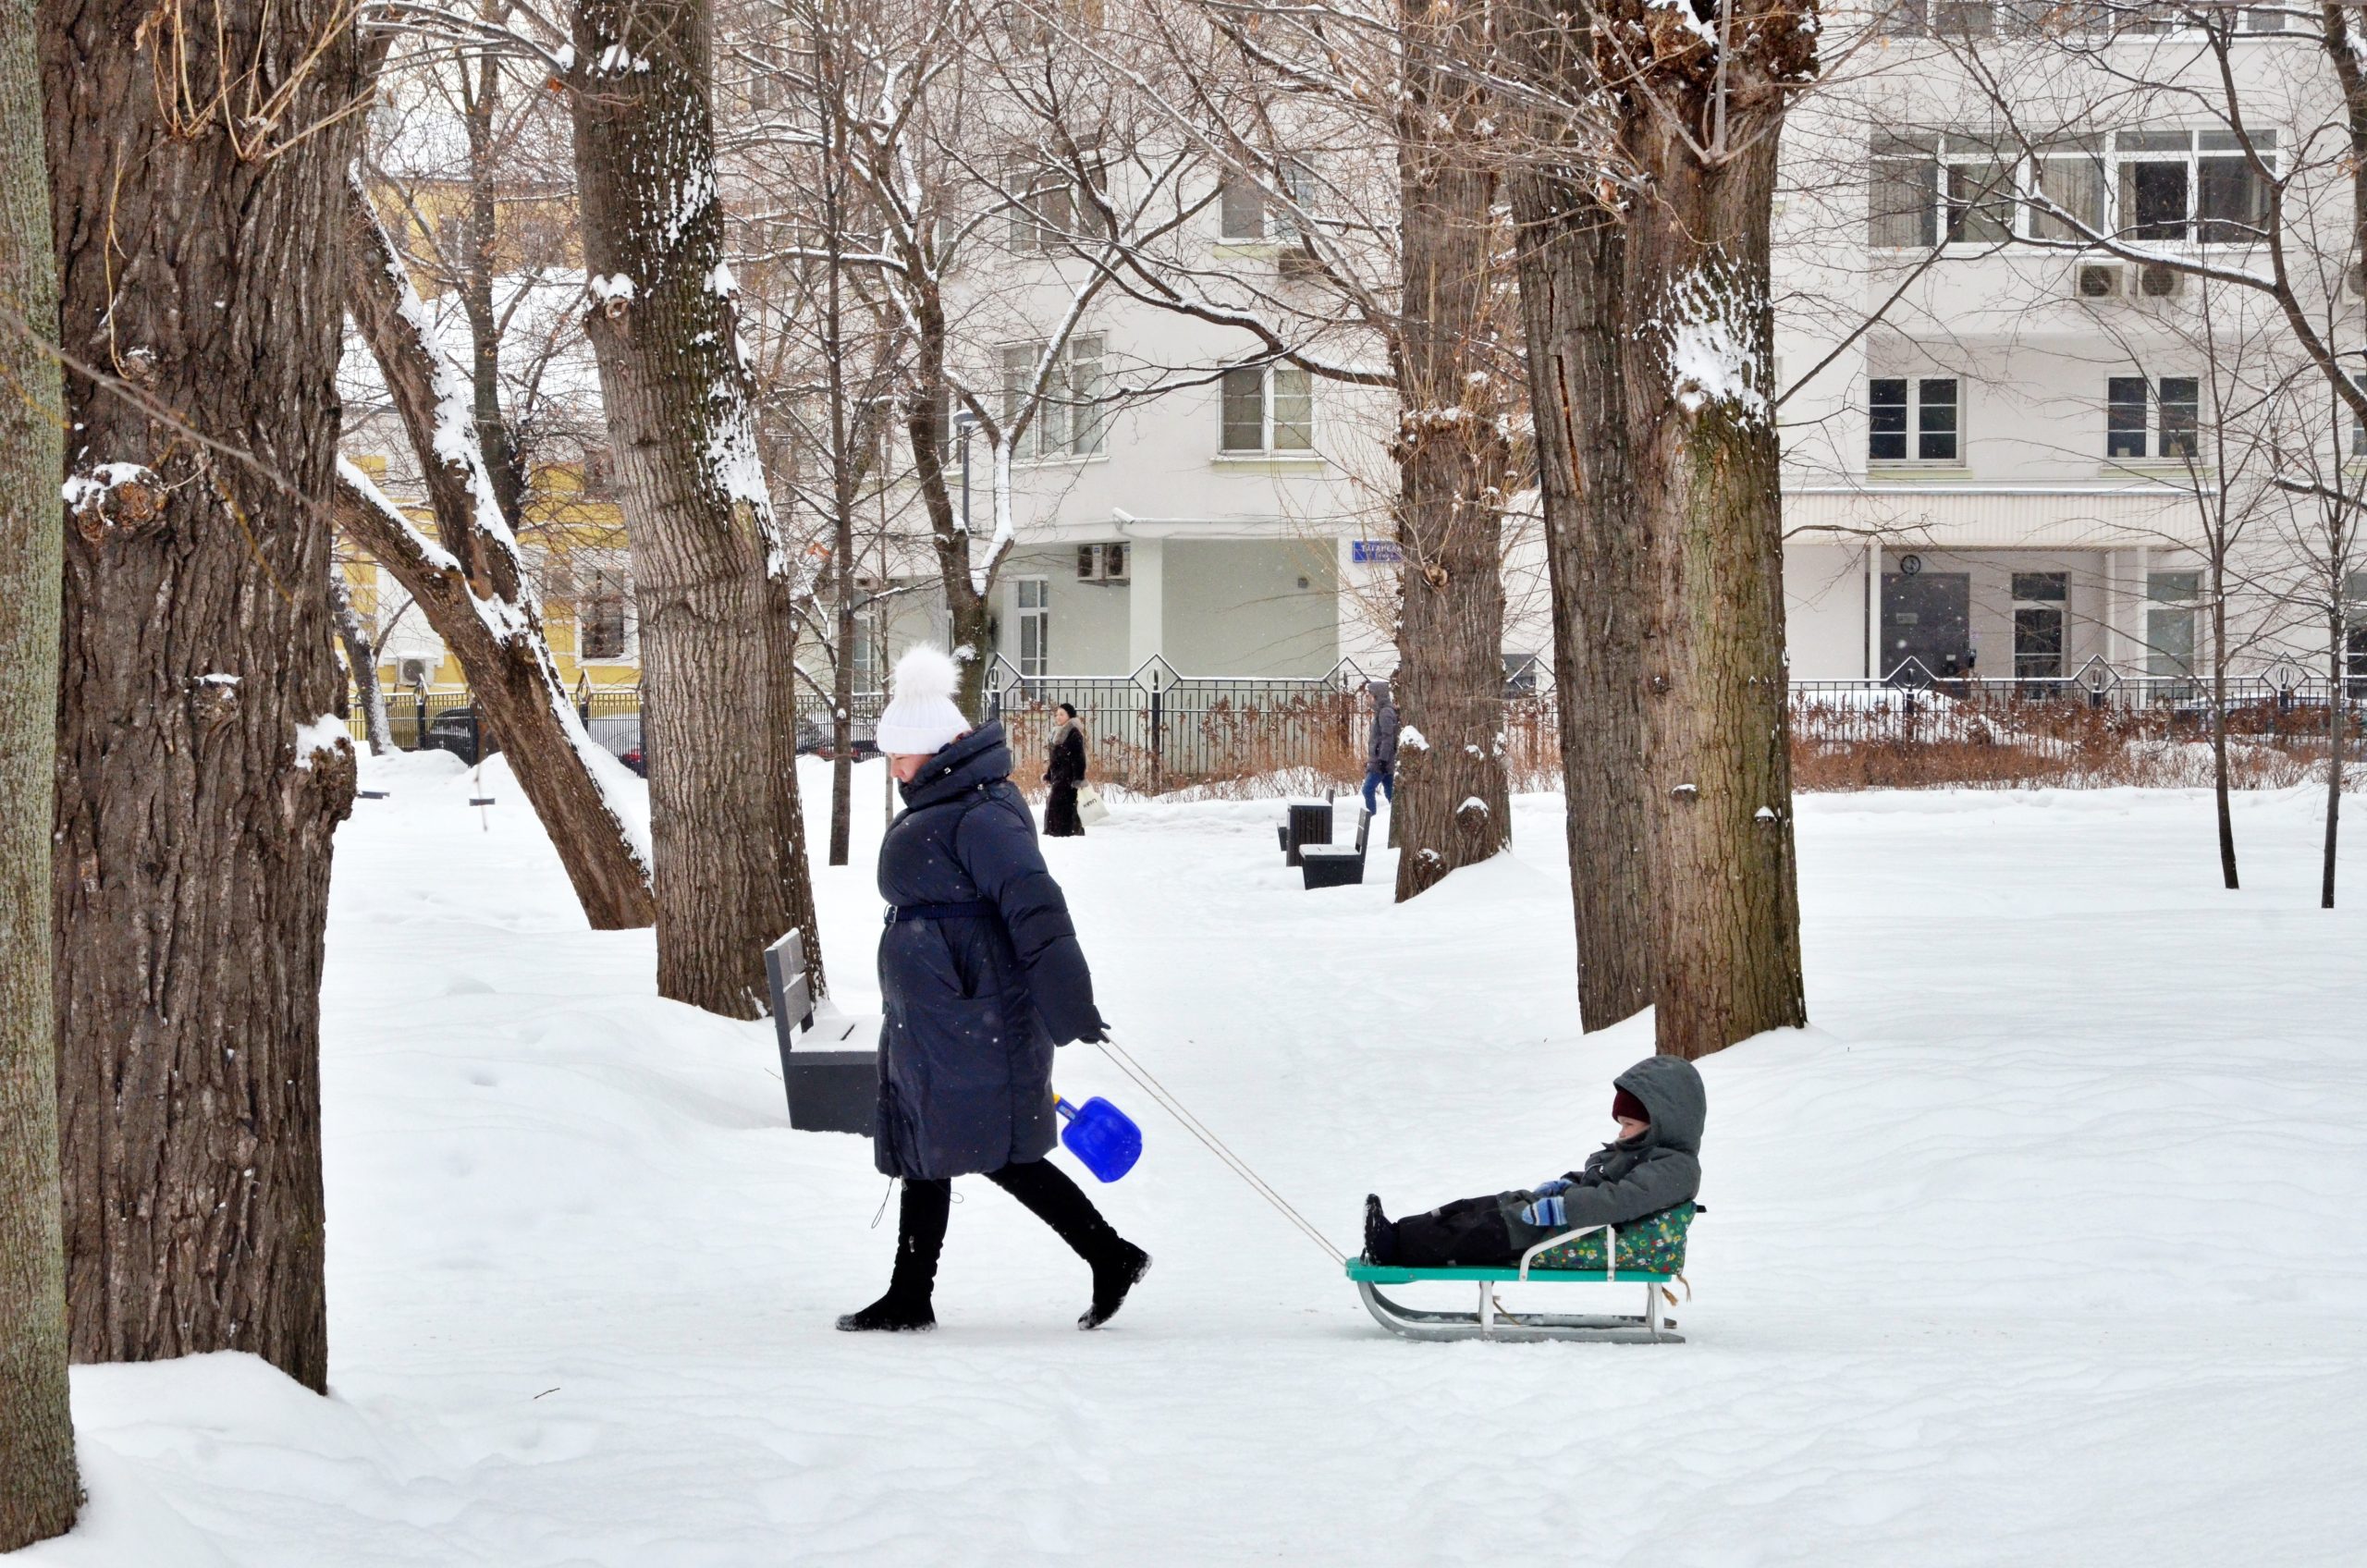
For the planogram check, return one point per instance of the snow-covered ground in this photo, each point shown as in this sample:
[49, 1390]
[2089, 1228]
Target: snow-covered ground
[2045, 1246]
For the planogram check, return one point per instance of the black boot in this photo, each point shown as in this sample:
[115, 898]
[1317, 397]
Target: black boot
[1061, 1204]
[1114, 1273]
[920, 1237]
[1381, 1235]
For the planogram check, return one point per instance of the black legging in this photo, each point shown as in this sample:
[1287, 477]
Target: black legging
[1041, 1186]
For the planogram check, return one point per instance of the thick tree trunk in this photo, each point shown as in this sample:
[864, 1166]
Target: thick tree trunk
[200, 238]
[475, 592]
[968, 610]
[361, 662]
[1698, 362]
[40, 1491]
[1452, 457]
[1572, 253]
[706, 554]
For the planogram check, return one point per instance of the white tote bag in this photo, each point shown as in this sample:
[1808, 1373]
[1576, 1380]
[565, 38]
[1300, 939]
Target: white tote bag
[1089, 808]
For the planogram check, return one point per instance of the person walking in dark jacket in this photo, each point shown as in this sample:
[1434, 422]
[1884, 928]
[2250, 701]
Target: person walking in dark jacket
[981, 976]
[1655, 1163]
[1064, 771]
[1380, 753]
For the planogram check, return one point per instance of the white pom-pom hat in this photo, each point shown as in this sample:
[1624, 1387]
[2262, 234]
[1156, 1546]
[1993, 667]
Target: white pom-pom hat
[920, 717]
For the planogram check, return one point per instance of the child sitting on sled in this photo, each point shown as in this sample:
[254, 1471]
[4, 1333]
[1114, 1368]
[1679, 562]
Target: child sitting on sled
[1654, 1164]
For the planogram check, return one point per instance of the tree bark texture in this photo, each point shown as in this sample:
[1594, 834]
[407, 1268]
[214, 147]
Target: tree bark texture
[361, 662]
[1572, 254]
[706, 554]
[40, 1488]
[197, 161]
[1698, 362]
[1453, 456]
[473, 589]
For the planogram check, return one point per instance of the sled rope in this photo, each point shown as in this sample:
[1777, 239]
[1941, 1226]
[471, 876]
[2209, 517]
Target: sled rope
[1214, 1144]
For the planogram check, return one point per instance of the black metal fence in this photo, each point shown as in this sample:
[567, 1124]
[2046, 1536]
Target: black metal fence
[1160, 731]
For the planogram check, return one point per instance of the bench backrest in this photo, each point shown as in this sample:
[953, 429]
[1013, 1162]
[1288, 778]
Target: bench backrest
[792, 991]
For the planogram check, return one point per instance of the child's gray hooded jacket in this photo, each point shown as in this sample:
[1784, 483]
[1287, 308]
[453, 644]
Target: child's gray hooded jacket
[1625, 1182]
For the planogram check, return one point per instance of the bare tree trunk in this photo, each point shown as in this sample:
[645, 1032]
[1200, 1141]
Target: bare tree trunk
[2219, 718]
[1698, 364]
[474, 591]
[967, 610]
[39, 1489]
[361, 663]
[1572, 253]
[1452, 458]
[843, 697]
[198, 158]
[2335, 707]
[707, 553]
[501, 452]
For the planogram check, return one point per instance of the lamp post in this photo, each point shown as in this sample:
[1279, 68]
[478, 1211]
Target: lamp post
[964, 422]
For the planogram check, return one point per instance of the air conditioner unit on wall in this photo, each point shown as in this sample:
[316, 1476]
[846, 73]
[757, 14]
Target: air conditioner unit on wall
[1101, 563]
[2091, 280]
[413, 670]
[2151, 280]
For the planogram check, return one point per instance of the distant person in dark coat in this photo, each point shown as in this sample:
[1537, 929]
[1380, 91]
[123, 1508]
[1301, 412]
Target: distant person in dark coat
[1655, 1163]
[981, 976]
[1380, 755]
[1064, 773]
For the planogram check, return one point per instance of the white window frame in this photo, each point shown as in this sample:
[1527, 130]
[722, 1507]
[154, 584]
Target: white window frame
[2156, 432]
[2061, 608]
[1935, 160]
[1070, 423]
[1278, 386]
[1032, 622]
[1915, 433]
[1274, 225]
[2163, 601]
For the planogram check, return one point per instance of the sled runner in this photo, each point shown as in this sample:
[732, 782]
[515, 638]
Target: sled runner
[1649, 1251]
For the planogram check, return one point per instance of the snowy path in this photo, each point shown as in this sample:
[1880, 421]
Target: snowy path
[2042, 1248]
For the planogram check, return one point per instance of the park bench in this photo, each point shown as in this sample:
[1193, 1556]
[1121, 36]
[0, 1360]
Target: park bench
[1649, 1251]
[830, 1090]
[1336, 865]
[1305, 823]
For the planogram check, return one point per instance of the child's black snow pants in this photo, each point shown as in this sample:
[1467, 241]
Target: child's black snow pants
[1468, 1233]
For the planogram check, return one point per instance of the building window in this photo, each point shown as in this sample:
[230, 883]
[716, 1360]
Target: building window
[1245, 212]
[2156, 419]
[2173, 186]
[1913, 420]
[1945, 18]
[1044, 206]
[2068, 177]
[1928, 188]
[1269, 409]
[600, 616]
[1070, 420]
[2171, 614]
[2041, 601]
[1034, 599]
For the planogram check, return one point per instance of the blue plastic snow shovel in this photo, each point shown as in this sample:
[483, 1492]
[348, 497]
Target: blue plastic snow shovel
[1101, 1135]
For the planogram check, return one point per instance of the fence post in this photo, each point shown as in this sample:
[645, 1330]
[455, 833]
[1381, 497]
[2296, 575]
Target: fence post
[419, 699]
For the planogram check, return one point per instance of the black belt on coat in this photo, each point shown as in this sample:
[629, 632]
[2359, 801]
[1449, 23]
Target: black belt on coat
[939, 912]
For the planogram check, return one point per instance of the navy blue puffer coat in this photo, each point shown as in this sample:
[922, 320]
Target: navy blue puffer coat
[975, 1002]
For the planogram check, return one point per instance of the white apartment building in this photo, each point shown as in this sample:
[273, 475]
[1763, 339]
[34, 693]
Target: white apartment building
[1999, 477]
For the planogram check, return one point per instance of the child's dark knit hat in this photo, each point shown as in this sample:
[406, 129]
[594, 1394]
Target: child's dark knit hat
[1627, 1107]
